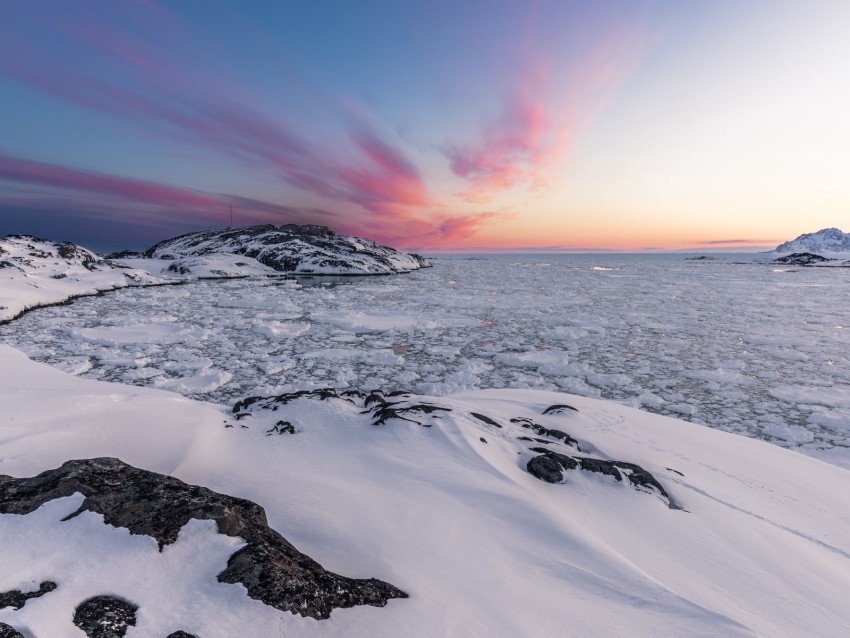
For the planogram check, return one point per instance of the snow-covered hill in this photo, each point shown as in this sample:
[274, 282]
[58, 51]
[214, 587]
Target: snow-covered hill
[444, 498]
[828, 240]
[293, 249]
[35, 272]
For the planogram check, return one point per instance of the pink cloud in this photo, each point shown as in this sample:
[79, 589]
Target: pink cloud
[533, 131]
[83, 185]
[27, 171]
[514, 149]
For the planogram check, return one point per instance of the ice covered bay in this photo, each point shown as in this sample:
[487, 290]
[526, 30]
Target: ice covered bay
[743, 347]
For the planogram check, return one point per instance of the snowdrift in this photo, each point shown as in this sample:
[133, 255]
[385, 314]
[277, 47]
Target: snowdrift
[435, 496]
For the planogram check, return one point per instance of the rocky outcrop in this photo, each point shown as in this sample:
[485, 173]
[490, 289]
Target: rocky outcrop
[17, 599]
[7, 631]
[802, 259]
[271, 569]
[550, 466]
[293, 249]
[105, 617]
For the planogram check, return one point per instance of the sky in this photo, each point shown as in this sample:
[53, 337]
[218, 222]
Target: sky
[428, 125]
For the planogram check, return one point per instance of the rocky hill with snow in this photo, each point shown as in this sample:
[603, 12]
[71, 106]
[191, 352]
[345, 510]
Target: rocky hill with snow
[36, 271]
[827, 240]
[291, 249]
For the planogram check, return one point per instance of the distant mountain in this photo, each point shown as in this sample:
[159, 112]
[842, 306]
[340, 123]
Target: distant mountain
[292, 248]
[828, 240]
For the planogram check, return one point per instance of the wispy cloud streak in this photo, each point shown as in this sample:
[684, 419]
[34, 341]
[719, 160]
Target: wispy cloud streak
[374, 182]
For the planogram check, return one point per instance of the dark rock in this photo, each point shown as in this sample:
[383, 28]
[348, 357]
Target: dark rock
[543, 431]
[72, 252]
[549, 466]
[485, 419]
[105, 617]
[7, 631]
[558, 409]
[180, 634]
[482, 439]
[179, 268]
[373, 399]
[17, 599]
[383, 413]
[801, 259]
[125, 254]
[272, 402]
[282, 427]
[272, 569]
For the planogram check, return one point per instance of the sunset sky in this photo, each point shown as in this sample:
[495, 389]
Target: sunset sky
[435, 126]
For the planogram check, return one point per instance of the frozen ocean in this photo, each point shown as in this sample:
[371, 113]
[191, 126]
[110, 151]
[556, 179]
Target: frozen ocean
[730, 341]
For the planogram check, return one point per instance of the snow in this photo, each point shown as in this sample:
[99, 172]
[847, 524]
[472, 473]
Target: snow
[762, 547]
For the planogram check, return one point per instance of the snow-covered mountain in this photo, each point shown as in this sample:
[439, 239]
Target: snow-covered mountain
[496, 513]
[293, 249]
[827, 240]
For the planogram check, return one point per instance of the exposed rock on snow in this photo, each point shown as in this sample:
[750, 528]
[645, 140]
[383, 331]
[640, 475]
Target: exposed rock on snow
[17, 599]
[105, 617]
[558, 409]
[7, 631]
[125, 254]
[551, 432]
[269, 567]
[548, 466]
[292, 248]
[802, 259]
[827, 240]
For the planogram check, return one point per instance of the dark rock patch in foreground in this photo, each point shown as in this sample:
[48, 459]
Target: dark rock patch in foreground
[17, 599]
[271, 569]
[105, 617]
